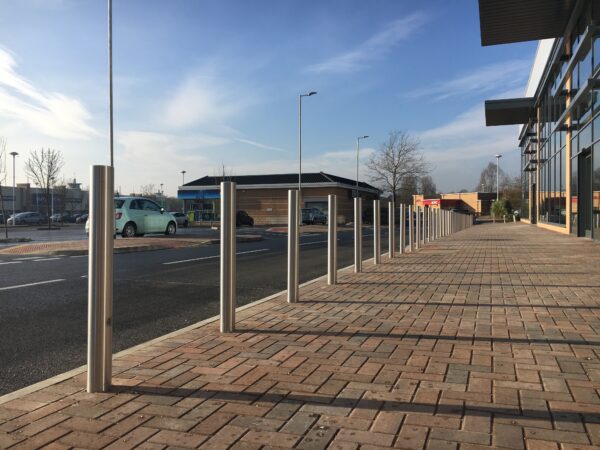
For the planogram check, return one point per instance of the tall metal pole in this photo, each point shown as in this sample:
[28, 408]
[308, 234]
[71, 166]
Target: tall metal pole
[14, 196]
[357, 158]
[300, 147]
[357, 234]
[293, 274]
[418, 227]
[376, 232]
[498, 177]
[183, 172]
[52, 192]
[332, 240]
[110, 84]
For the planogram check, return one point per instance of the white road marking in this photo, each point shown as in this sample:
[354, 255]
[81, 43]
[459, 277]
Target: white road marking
[45, 259]
[27, 258]
[214, 256]
[316, 242]
[10, 262]
[78, 256]
[31, 284]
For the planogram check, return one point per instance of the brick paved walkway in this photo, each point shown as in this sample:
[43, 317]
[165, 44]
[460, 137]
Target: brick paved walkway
[487, 338]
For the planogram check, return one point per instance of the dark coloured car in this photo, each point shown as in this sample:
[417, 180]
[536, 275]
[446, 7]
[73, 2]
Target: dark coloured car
[312, 216]
[82, 218]
[242, 218]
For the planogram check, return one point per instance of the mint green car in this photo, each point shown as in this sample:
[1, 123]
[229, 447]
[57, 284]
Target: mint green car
[136, 216]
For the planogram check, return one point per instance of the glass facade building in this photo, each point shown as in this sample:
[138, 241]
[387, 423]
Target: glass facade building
[560, 134]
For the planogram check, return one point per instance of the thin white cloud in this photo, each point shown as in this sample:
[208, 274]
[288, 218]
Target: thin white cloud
[50, 113]
[202, 100]
[259, 145]
[460, 148]
[503, 75]
[373, 48]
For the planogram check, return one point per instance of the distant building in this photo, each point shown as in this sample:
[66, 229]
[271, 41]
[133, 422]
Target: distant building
[67, 198]
[265, 197]
[559, 113]
[477, 203]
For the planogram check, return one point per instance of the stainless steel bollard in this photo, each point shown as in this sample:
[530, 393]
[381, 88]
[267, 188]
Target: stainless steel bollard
[376, 232]
[391, 229]
[357, 234]
[402, 218]
[410, 228]
[293, 246]
[418, 227]
[332, 240]
[228, 250]
[100, 279]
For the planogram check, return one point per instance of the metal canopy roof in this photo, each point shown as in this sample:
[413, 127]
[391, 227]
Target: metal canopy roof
[506, 21]
[510, 111]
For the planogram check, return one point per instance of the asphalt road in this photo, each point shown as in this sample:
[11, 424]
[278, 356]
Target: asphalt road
[43, 300]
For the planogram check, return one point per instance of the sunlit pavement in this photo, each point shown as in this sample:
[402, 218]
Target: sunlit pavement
[485, 338]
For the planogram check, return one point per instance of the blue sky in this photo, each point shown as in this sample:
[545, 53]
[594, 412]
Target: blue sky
[201, 84]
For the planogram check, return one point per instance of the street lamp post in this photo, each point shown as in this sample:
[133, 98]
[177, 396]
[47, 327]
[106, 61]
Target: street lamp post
[300, 146]
[498, 177]
[182, 183]
[37, 197]
[357, 157]
[14, 154]
[52, 193]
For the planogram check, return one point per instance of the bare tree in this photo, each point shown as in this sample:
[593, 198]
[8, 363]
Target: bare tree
[397, 159]
[148, 190]
[428, 187]
[3, 174]
[44, 167]
[487, 179]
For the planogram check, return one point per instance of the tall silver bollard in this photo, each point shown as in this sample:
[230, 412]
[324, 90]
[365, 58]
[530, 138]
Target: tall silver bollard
[417, 227]
[228, 250]
[332, 240]
[100, 279]
[427, 224]
[411, 232]
[429, 239]
[433, 211]
[402, 237]
[423, 225]
[357, 234]
[293, 246]
[376, 232]
[391, 229]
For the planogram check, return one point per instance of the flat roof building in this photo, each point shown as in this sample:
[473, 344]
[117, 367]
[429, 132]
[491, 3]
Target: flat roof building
[265, 197]
[560, 133]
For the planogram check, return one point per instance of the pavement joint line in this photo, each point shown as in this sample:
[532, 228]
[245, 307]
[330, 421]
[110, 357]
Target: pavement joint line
[78, 370]
[213, 257]
[37, 283]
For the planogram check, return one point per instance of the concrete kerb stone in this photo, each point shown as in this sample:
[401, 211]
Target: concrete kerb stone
[71, 373]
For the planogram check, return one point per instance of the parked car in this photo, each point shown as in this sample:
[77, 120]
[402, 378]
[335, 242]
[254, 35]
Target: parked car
[312, 216]
[56, 218]
[181, 218]
[242, 218]
[136, 216]
[26, 218]
[82, 218]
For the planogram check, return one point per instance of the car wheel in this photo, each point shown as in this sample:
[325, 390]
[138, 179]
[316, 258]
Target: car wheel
[171, 229]
[129, 230]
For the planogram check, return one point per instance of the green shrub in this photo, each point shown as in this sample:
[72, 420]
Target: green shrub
[498, 209]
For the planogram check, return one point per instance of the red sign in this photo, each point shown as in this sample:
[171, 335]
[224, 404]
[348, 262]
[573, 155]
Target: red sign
[431, 202]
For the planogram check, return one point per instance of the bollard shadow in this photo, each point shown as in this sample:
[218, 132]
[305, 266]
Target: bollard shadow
[382, 401]
[414, 336]
[454, 305]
